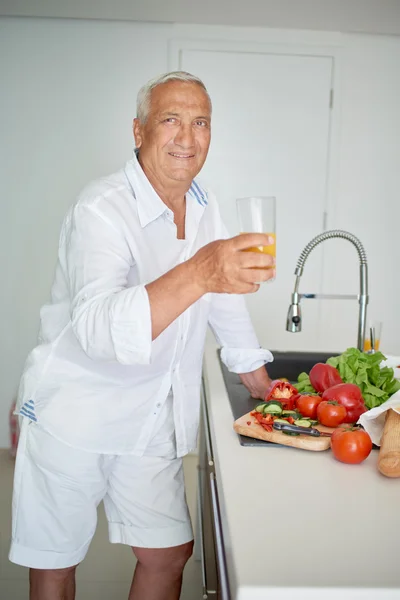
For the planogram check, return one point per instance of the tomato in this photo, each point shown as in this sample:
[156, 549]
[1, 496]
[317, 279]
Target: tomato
[324, 376]
[308, 405]
[350, 445]
[349, 395]
[331, 414]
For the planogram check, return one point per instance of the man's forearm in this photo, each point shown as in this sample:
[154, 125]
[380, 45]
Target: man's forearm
[257, 382]
[170, 295]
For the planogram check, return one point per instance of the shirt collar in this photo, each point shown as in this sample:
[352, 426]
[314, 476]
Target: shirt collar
[150, 205]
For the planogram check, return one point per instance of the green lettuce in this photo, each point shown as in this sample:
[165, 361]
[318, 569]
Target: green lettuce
[376, 384]
[303, 385]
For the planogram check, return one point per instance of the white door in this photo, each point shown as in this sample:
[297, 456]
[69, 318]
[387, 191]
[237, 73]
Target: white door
[270, 136]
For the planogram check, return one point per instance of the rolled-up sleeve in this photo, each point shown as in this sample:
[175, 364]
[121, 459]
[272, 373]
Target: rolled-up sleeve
[234, 332]
[111, 321]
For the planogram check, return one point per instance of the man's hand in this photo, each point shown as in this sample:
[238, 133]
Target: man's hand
[223, 267]
[257, 382]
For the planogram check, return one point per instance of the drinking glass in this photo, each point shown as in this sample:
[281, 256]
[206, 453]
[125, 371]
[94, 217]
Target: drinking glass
[257, 214]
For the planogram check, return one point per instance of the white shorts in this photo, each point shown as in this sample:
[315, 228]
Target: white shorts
[57, 489]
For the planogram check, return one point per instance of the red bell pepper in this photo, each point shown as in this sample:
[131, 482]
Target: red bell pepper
[280, 390]
[323, 377]
[265, 421]
[348, 395]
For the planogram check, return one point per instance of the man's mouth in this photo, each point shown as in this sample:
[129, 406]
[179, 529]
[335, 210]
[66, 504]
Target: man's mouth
[176, 155]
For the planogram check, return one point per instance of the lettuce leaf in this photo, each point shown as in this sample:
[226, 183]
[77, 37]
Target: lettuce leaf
[303, 385]
[376, 384]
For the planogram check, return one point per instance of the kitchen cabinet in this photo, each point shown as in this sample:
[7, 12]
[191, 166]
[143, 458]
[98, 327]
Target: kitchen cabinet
[209, 535]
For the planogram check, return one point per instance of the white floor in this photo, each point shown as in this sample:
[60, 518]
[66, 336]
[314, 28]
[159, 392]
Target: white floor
[107, 570]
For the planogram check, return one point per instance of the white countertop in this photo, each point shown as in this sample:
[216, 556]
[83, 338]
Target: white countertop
[298, 524]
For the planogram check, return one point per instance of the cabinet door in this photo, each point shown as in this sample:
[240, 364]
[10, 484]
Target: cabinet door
[270, 136]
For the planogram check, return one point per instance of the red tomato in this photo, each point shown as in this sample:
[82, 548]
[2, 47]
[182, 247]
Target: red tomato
[308, 405]
[350, 446]
[350, 396]
[331, 414]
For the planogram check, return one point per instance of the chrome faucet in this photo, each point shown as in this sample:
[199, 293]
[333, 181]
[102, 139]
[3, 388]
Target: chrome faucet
[293, 322]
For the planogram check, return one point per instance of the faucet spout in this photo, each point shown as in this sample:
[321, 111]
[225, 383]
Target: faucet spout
[293, 321]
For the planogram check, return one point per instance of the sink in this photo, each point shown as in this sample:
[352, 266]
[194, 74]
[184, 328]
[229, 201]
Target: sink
[291, 364]
[286, 364]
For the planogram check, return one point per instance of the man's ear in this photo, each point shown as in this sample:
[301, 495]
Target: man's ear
[137, 132]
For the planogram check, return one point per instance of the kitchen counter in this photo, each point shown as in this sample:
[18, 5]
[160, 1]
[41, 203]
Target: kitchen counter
[297, 524]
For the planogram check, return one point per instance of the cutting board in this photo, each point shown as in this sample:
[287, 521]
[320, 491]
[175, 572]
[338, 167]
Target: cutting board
[305, 442]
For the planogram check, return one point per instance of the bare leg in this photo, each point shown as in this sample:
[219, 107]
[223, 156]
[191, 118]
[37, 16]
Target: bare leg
[52, 584]
[158, 574]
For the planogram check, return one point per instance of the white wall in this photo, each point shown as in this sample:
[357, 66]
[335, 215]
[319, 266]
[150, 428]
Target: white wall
[68, 92]
[371, 16]
[366, 192]
[67, 103]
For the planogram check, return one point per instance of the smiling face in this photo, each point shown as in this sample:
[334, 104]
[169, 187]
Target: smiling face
[174, 141]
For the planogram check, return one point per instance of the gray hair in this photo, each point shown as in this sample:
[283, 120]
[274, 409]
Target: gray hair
[144, 95]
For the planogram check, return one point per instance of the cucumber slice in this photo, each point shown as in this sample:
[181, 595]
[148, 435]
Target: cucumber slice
[272, 408]
[260, 407]
[302, 423]
[292, 413]
[311, 421]
[280, 421]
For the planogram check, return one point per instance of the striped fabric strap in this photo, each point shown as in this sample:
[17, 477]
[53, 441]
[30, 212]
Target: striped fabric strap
[199, 193]
[28, 410]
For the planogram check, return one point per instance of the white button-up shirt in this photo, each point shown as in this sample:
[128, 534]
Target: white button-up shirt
[96, 380]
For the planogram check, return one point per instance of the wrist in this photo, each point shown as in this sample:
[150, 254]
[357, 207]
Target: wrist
[194, 275]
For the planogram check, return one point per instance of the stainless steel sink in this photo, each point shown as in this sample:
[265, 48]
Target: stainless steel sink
[291, 364]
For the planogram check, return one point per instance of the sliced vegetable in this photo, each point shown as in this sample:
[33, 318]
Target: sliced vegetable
[273, 408]
[350, 446]
[331, 413]
[279, 390]
[349, 395]
[324, 376]
[311, 421]
[260, 408]
[291, 413]
[265, 421]
[302, 423]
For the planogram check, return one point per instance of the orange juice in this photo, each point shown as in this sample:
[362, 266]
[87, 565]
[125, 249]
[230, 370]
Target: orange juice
[271, 249]
[367, 345]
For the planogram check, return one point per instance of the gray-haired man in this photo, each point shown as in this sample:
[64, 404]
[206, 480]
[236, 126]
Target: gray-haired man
[110, 396]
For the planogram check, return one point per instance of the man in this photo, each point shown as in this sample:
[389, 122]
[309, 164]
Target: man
[110, 396]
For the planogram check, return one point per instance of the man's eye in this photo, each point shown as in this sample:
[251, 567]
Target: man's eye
[170, 120]
[201, 123]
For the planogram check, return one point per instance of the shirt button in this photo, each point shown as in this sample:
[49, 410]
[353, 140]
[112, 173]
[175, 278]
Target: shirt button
[158, 405]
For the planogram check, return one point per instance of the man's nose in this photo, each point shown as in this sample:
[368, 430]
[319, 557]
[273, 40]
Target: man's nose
[184, 136]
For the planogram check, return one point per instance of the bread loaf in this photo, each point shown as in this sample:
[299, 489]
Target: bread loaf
[389, 453]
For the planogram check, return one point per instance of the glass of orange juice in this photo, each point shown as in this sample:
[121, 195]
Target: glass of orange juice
[377, 327]
[257, 214]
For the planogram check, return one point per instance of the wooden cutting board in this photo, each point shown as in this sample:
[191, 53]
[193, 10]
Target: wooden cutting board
[305, 442]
